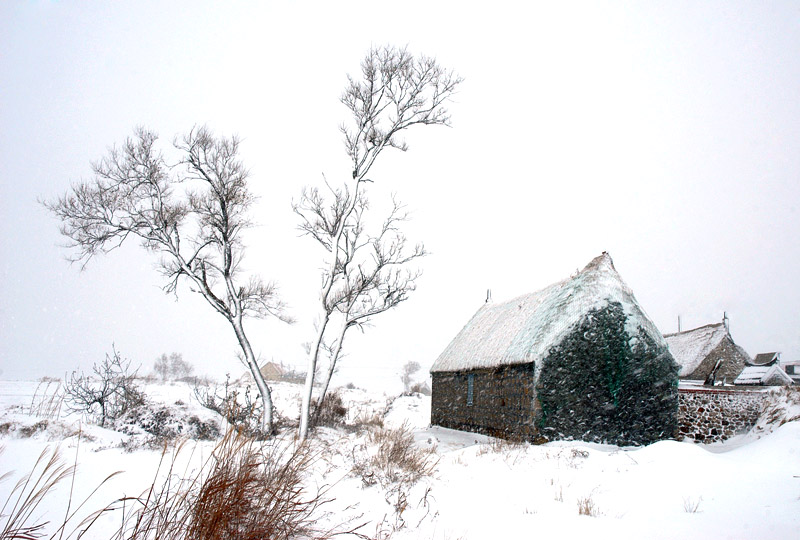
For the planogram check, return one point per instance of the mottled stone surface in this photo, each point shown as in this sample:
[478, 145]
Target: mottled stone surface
[502, 402]
[712, 415]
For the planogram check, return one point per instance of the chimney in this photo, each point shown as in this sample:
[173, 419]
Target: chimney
[725, 321]
[488, 295]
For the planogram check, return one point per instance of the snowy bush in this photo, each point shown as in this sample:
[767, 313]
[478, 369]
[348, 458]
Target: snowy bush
[602, 384]
[160, 423]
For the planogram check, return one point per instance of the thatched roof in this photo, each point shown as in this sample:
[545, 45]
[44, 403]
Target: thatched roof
[523, 330]
[766, 359]
[691, 347]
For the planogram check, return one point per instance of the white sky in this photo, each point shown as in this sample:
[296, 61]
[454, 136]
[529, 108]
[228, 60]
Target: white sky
[665, 133]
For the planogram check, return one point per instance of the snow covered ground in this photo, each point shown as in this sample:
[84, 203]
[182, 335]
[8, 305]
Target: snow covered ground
[748, 487]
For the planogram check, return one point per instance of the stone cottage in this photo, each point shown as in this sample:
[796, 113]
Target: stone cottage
[579, 359]
[707, 349]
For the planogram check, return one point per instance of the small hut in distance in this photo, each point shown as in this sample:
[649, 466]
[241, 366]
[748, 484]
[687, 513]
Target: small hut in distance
[707, 350]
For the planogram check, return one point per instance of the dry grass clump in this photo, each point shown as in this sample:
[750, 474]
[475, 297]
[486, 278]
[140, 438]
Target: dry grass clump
[587, 506]
[394, 457]
[332, 412]
[246, 491]
[47, 399]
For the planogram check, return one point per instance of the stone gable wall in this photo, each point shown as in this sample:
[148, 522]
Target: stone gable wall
[731, 367]
[706, 415]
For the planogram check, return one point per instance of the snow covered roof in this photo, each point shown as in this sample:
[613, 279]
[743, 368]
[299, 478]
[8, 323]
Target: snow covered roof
[755, 375]
[691, 347]
[522, 330]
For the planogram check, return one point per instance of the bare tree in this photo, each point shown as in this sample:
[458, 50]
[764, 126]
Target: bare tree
[109, 394]
[407, 374]
[363, 275]
[191, 212]
[172, 366]
[161, 367]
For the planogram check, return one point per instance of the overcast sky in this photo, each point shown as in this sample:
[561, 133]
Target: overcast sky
[665, 133]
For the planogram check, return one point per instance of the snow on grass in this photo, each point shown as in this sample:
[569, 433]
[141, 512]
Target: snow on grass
[481, 488]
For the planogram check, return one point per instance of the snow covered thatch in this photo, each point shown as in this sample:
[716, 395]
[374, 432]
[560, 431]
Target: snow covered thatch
[522, 330]
[697, 352]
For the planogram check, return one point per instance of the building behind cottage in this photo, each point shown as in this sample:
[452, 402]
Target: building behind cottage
[707, 349]
[579, 359]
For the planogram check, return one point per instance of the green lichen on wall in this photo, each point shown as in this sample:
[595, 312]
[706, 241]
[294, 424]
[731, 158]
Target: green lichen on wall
[602, 384]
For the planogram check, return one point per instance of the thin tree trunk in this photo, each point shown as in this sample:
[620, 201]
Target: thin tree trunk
[313, 358]
[263, 389]
[331, 368]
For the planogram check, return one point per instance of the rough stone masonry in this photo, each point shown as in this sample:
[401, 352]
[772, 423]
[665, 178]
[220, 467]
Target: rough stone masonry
[711, 415]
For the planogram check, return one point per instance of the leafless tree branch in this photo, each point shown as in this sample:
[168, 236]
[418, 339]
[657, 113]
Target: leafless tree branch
[366, 274]
[191, 213]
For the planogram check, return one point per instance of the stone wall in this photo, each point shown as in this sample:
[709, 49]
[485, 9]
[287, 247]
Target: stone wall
[713, 415]
[498, 402]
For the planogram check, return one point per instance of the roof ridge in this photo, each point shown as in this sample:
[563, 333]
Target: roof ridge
[593, 265]
[694, 329]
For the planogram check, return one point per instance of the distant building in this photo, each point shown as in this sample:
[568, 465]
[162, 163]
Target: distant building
[272, 371]
[792, 369]
[699, 351]
[765, 375]
[766, 359]
[579, 359]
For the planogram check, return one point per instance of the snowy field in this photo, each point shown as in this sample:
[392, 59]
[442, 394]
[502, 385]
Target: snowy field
[748, 487]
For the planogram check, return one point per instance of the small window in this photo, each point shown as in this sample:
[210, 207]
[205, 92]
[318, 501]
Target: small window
[470, 388]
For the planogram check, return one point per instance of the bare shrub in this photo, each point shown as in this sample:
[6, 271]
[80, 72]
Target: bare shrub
[394, 459]
[692, 505]
[239, 407]
[246, 491]
[106, 396]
